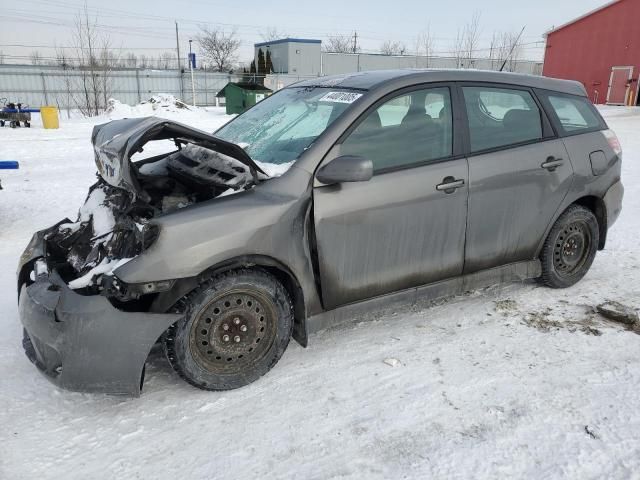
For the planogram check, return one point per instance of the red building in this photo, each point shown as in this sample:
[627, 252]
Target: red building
[601, 49]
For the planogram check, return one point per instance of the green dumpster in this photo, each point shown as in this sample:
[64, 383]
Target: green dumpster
[239, 96]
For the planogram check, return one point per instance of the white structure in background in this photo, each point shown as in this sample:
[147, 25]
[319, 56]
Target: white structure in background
[293, 56]
[296, 58]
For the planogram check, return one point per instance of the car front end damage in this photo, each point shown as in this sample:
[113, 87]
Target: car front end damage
[83, 328]
[83, 342]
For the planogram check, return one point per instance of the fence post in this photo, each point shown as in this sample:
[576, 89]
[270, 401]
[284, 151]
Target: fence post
[206, 94]
[44, 89]
[138, 84]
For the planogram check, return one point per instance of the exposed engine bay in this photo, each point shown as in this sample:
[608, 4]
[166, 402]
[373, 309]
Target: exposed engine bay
[114, 224]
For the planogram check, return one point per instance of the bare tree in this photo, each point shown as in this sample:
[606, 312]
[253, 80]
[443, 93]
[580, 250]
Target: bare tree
[130, 61]
[95, 61]
[66, 62]
[457, 48]
[273, 33]
[464, 48]
[144, 61]
[505, 50]
[390, 47]
[339, 44]
[35, 58]
[471, 37]
[62, 58]
[424, 46]
[166, 60]
[108, 60]
[219, 47]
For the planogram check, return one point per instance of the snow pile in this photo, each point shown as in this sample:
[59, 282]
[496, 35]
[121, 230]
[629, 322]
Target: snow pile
[162, 105]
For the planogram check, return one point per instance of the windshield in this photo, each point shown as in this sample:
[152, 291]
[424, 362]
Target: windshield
[279, 128]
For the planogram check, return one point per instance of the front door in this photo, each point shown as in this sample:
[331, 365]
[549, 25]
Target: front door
[406, 226]
[619, 83]
[518, 177]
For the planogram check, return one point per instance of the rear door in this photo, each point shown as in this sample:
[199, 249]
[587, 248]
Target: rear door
[519, 173]
[405, 227]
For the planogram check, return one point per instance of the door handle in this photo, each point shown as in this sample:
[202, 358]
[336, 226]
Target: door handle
[449, 185]
[552, 163]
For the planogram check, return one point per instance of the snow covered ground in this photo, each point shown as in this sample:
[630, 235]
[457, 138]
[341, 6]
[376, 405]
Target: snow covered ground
[512, 382]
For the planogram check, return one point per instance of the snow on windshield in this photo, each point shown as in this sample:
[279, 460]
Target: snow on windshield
[278, 129]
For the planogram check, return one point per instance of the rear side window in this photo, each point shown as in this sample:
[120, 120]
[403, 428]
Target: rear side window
[501, 117]
[575, 113]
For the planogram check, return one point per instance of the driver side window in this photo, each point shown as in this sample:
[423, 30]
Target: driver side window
[407, 130]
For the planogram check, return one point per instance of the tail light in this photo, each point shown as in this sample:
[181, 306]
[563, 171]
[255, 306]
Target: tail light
[614, 143]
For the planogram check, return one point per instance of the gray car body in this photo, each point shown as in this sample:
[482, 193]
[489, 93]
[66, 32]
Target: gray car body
[345, 248]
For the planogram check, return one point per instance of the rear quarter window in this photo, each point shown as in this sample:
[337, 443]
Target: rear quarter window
[575, 114]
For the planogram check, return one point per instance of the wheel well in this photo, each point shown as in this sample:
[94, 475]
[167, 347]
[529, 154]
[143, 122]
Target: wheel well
[290, 283]
[288, 280]
[599, 209]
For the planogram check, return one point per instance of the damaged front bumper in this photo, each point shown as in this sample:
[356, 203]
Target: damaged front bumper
[84, 343]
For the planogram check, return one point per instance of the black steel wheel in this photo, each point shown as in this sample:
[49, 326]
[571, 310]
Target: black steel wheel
[570, 247]
[236, 327]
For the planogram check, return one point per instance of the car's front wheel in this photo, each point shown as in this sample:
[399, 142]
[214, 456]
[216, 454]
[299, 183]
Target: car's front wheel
[570, 247]
[236, 327]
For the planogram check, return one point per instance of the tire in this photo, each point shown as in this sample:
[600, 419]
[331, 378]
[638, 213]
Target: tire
[236, 327]
[570, 248]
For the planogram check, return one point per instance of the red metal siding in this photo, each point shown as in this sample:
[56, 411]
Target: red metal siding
[587, 49]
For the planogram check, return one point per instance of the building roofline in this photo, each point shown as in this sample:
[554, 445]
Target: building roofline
[582, 17]
[287, 40]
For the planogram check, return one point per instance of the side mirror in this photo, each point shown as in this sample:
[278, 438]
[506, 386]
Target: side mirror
[347, 168]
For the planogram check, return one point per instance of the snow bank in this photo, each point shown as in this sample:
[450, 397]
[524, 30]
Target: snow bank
[477, 391]
[161, 103]
[169, 107]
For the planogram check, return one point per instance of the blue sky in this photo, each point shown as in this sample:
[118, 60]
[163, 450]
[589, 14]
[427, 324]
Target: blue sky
[146, 27]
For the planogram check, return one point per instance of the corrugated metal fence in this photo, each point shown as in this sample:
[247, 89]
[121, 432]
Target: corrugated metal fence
[38, 85]
[333, 63]
[52, 85]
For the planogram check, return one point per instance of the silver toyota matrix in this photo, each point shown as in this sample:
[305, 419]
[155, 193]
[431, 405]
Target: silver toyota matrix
[332, 197]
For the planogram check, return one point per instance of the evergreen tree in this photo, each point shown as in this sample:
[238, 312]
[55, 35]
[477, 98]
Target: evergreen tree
[262, 65]
[268, 63]
[246, 76]
[252, 67]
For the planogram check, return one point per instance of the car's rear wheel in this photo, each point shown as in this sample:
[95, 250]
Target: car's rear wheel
[236, 327]
[570, 247]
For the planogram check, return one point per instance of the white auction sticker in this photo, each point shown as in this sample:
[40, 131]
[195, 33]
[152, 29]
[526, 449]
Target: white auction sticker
[340, 97]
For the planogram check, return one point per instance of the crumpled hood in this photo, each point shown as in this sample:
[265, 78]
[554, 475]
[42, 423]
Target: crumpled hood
[114, 144]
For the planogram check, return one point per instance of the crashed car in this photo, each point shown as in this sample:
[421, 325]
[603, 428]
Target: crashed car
[331, 198]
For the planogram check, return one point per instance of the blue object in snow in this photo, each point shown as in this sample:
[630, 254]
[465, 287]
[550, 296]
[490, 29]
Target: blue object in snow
[9, 165]
[20, 110]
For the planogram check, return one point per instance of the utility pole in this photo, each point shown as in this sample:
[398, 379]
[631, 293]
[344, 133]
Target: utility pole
[355, 42]
[193, 85]
[179, 63]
